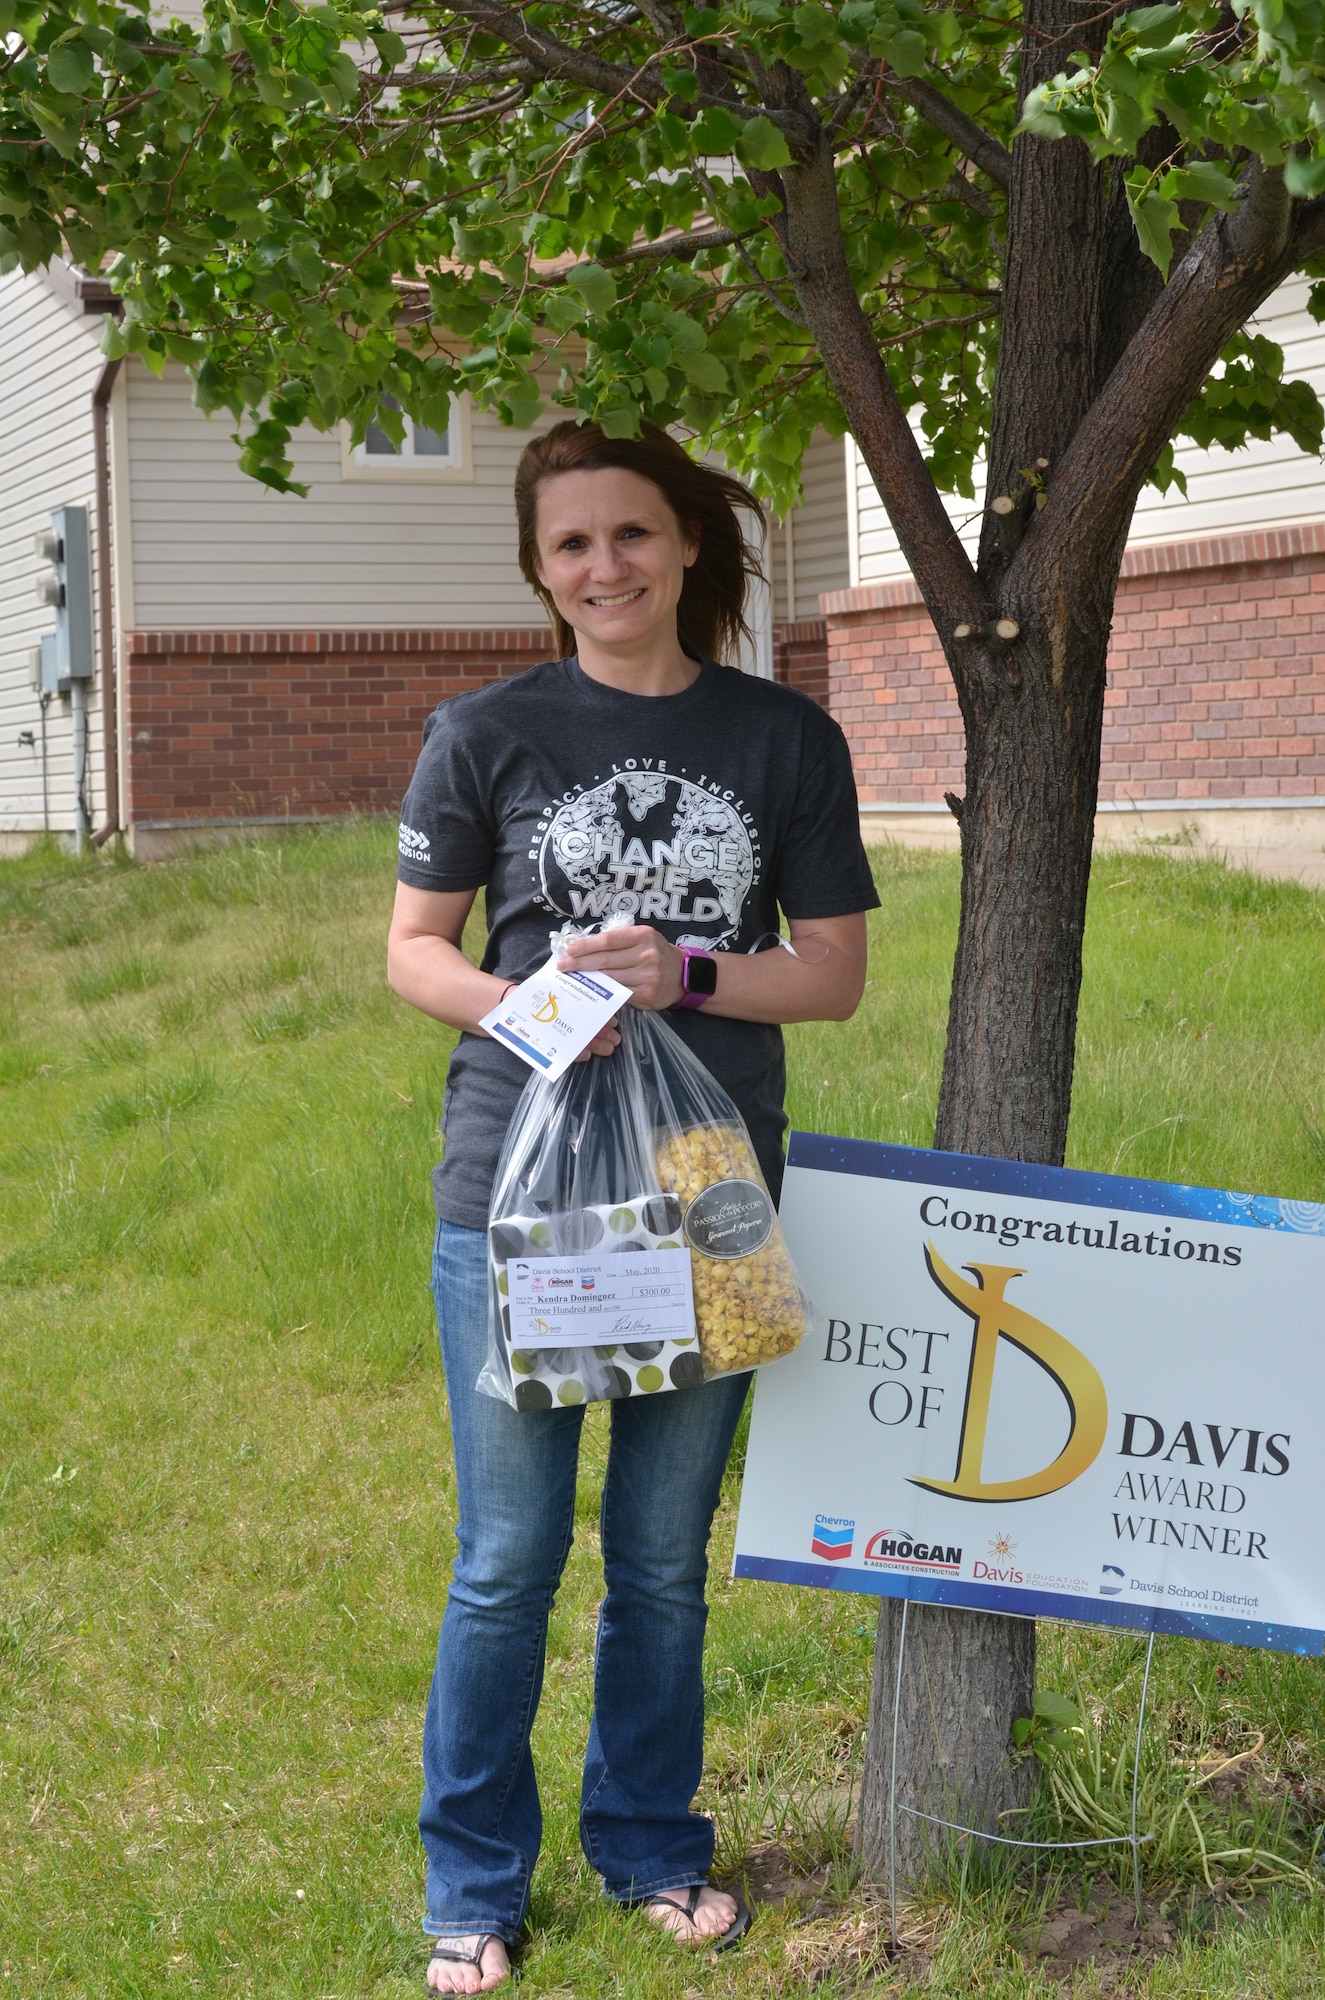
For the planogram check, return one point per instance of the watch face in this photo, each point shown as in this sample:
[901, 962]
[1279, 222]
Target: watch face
[701, 974]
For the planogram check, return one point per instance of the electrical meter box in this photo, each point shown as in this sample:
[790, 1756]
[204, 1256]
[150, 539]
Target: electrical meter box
[67, 588]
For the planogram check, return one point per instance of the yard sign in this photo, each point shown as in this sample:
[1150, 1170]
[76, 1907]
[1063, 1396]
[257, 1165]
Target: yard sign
[1049, 1393]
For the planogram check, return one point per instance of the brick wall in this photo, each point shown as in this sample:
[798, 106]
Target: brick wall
[800, 657]
[1216, 677]
[247, 725]
[227, 725]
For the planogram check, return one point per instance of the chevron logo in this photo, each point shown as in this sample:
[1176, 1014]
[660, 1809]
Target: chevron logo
[832, 1537]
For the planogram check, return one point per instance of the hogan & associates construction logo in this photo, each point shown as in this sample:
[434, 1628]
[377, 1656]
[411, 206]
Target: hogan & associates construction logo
[890, 1550]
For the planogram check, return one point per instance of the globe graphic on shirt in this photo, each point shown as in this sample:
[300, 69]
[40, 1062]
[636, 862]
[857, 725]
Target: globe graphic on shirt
[653, 847]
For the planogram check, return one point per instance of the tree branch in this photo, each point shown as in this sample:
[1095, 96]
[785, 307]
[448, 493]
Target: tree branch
[474, 114]
[810, 231]
[683, 247]
[760, 282]
[1230, 269]
[867, 74]
[665, 21]
[965, 191]
[979, 146]
[1309, 231]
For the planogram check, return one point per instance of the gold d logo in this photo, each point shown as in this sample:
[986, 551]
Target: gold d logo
[1082, 1389]
[548, 1013]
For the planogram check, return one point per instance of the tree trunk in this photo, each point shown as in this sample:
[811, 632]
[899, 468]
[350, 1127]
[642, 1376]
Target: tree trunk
[1097, 363]
[951, 1736]
[1033, 722]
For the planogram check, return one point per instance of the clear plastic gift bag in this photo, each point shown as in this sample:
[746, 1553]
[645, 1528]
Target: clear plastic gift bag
[638, 1155]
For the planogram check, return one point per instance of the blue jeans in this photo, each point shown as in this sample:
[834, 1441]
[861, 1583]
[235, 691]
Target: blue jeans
[515, 1473]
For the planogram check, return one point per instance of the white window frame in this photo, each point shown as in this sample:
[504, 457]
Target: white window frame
[457, 466]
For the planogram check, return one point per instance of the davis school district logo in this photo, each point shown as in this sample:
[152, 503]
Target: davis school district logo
[832, 1538]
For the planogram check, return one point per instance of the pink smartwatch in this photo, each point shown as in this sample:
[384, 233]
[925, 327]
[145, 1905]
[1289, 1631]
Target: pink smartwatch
[699, 979]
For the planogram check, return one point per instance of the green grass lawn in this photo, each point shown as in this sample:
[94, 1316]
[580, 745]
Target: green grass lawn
[225, 1496]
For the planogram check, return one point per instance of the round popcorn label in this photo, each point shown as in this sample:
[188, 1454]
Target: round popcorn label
[732, 1218]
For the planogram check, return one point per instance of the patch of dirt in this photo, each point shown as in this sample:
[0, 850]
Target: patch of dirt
[770, 1877]
[1104, 1935]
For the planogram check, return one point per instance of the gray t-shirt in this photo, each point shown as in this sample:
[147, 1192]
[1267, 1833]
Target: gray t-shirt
[702, 813]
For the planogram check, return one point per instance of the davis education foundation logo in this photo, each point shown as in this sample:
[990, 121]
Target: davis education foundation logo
[832, 1537]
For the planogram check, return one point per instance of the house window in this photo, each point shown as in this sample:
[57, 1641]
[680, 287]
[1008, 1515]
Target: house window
[421, 454]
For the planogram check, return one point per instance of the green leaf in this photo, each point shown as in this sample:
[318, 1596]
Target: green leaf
[309, 47]
[761, 145]
[674, 133]
[69, 68]
[816, 28]
[714, 131]
[58, 121]
[1204, 180]
[1155, 218]
[681, 81]
[595, 286]
[1042, 113]
[705, 371]
[620, 421]
[907, 51]
[1166, 472]
[563, 310]
[524, 404]
[1056, 1710]
[390, 47]
[1150, 27]
[1304, 175]
[857, 19]
[344, 73]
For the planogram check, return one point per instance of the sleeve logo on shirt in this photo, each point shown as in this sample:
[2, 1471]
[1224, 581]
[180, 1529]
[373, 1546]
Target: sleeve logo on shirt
[413, 844]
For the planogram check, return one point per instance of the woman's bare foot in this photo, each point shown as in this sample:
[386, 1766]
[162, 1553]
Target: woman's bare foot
[450, 1975]
[713, 1914]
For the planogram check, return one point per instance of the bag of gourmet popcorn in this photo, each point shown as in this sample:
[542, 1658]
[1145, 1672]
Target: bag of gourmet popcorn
[633, 1245]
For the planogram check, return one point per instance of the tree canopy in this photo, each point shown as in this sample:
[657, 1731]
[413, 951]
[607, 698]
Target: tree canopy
[317, 206]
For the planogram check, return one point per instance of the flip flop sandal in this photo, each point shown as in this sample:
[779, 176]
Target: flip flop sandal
[451, 1953]
[718, 1940]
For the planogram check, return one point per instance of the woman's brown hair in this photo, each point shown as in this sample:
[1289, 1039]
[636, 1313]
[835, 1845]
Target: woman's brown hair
[710, 618]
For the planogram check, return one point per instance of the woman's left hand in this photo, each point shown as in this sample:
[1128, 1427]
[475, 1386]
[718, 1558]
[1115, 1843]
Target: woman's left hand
[637, 955]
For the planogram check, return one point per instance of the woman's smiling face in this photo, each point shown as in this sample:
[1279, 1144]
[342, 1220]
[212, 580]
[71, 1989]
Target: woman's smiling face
[613, 556]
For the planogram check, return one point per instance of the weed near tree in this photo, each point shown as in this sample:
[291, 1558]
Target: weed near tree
[225, 1499]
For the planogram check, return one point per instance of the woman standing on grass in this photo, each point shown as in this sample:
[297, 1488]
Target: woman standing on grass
[632, 775]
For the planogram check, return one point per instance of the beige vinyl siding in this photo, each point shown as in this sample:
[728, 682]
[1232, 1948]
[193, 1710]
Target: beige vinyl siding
[213, 549]
[820, 557]
[49, 364]
[1269, 484]
[878, 558]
